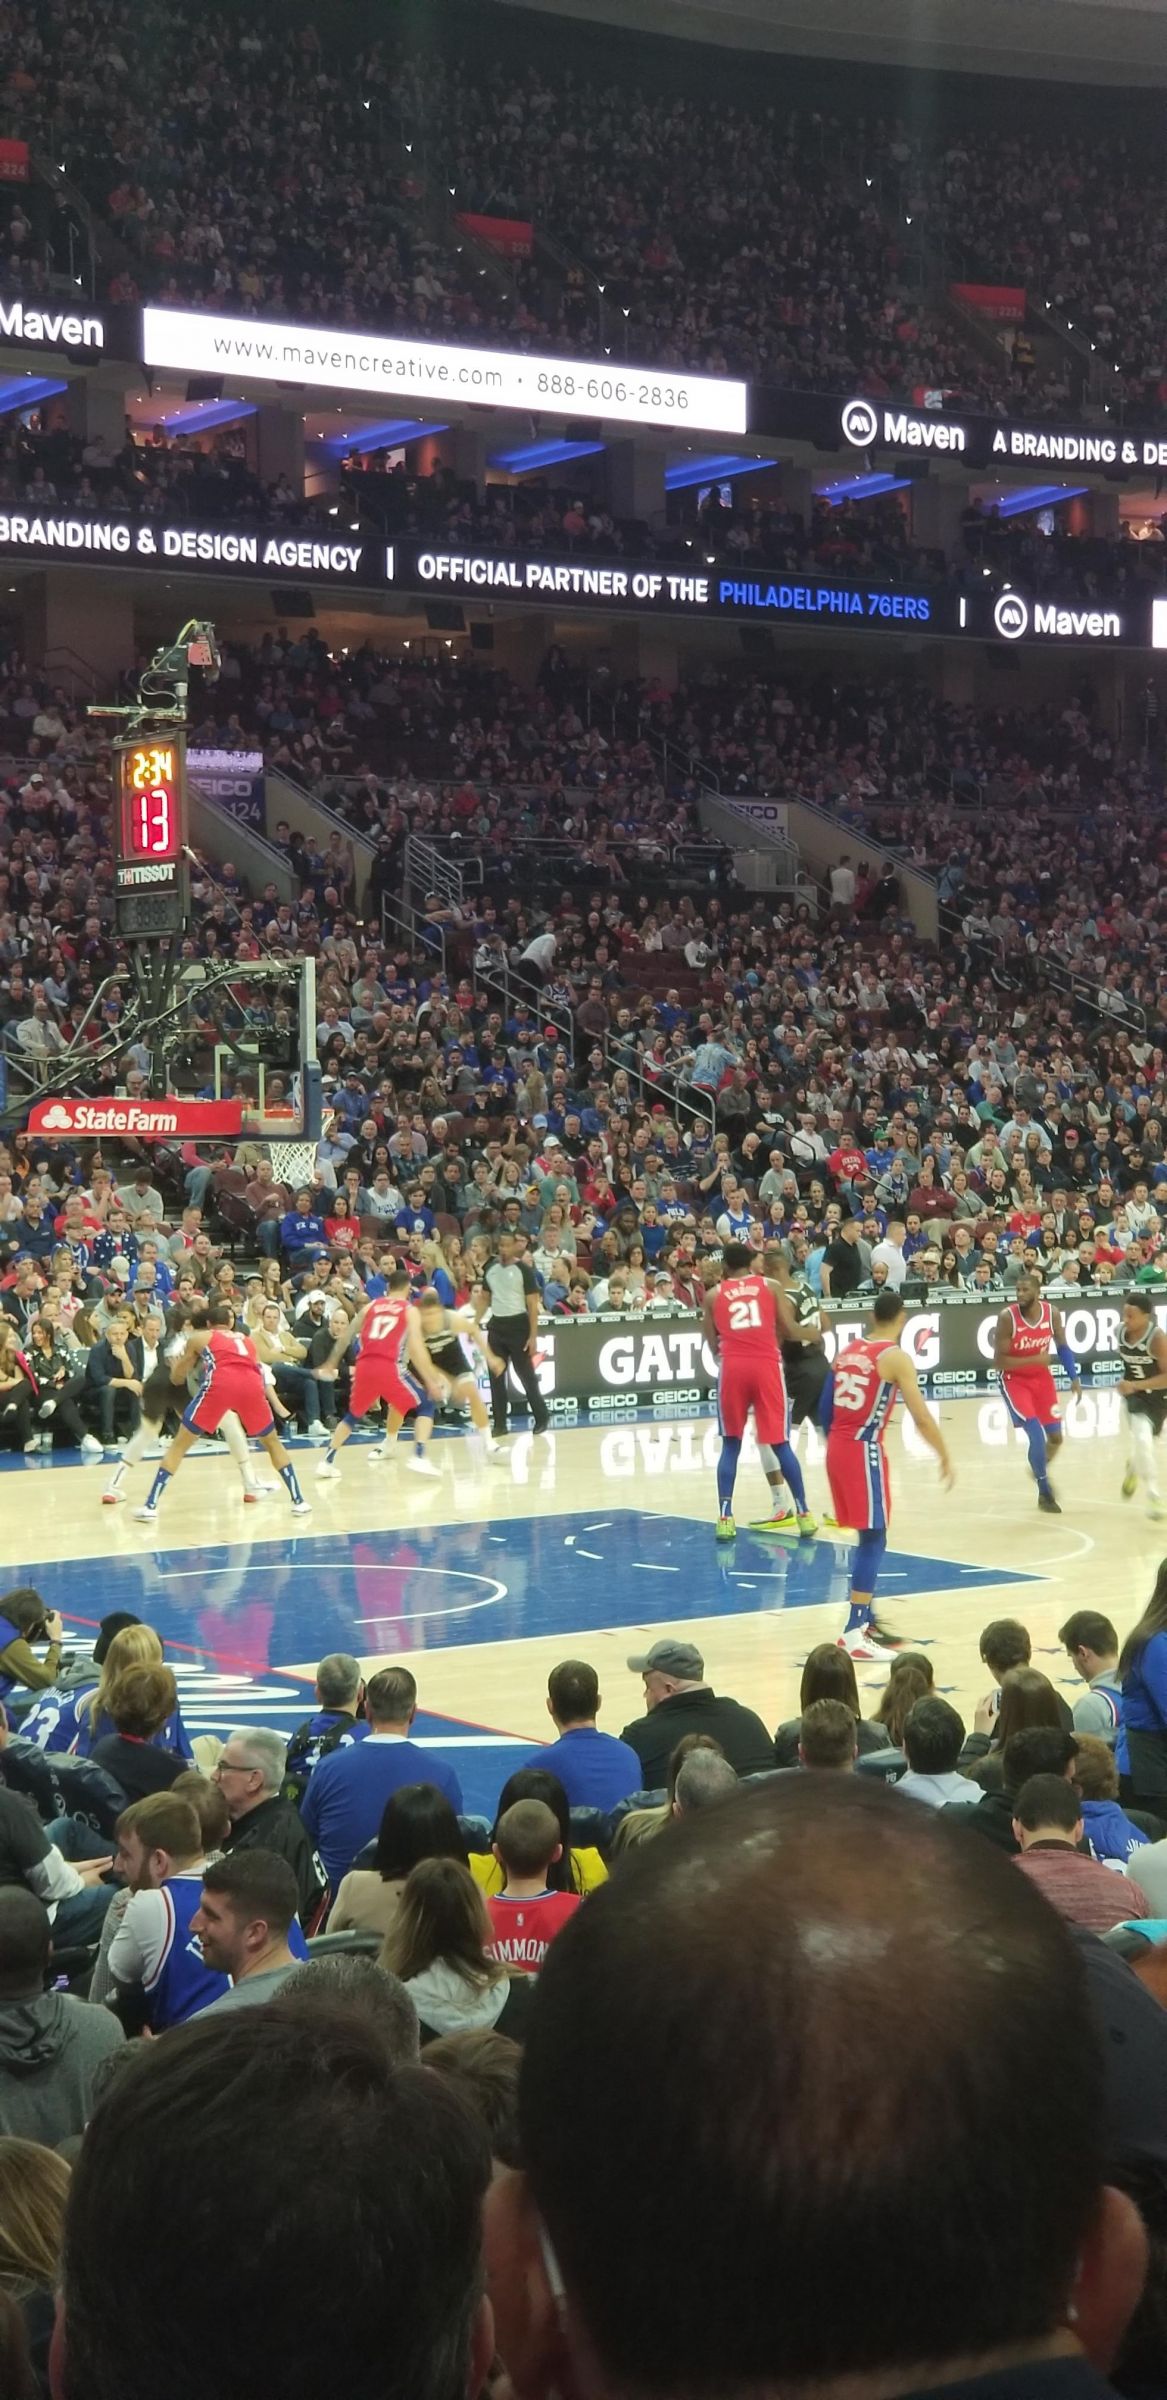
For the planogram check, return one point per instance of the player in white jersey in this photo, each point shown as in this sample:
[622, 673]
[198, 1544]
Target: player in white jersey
[1142, 1350]
[445, 1332]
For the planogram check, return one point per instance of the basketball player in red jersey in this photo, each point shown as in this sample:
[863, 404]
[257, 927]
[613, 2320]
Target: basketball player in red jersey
[1021, 1348]
[856, 1411]
[393, 1365]
[745, 1319]
[232, 1378]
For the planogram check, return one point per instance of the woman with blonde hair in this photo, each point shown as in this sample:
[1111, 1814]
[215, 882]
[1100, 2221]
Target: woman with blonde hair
[437, 1268]
[34, 2190]
[77, 1721]
[437, 1946]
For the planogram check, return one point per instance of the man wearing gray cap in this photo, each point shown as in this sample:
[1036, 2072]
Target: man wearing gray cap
[679, 1701]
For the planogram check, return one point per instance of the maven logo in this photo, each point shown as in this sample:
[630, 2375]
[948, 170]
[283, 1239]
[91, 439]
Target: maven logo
[51, 329]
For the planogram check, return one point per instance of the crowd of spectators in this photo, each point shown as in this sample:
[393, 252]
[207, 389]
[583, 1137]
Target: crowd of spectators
[332, 1888]
[804, 268]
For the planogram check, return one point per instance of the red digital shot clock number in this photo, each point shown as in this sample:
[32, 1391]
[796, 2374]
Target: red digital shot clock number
[150, 810]
[150, 877]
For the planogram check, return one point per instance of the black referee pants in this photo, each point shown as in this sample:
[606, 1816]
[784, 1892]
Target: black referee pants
[508, 1338]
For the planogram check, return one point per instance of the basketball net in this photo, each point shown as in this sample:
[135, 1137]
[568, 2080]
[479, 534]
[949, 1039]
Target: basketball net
[294, 1161]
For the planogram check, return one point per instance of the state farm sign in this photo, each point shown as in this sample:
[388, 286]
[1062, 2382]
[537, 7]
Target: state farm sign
[147, 1120]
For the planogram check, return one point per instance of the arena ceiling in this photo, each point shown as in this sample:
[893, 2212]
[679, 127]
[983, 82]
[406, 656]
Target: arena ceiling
[1080, 41]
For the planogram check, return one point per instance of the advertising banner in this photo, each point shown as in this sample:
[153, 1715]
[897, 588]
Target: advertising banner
[600, 1364]
[323, 358]
[146, 1120]
[234, 780]
[1001, 303]
[605, 586]
[512, 237]
[13, 161]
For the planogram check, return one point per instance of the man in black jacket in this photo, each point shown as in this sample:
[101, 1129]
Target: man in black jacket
[250, 1773]
[679, 1701]
[114, 1372]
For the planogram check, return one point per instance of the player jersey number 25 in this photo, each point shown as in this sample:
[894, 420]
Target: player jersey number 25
[852, 1391]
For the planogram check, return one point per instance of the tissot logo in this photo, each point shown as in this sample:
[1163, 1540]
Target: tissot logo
[860, 424]
[1011, 616]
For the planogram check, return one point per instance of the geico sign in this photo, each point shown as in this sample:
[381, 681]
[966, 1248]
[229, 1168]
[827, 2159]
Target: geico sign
[633, 1358]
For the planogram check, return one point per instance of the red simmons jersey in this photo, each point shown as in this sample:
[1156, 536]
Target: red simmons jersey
[384, 1333]
[232, 1354]
[1031, 1342]
[746, 1319]
[862, 1399]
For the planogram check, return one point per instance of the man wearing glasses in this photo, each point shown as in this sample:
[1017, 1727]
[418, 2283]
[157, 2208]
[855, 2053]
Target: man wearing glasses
[250, 1774]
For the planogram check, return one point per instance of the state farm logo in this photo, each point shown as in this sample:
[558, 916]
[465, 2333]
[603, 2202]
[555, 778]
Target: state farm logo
[107, 1116]
[1011, 616]
[860, 424]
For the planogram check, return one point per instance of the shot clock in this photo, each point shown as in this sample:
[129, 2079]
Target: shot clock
[150, 878]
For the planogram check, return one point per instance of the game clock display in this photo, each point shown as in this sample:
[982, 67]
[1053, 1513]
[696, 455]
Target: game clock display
[150, 871]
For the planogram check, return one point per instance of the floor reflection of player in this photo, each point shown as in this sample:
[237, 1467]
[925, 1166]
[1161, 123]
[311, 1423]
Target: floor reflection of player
[393, 1365]
[232, 1379]
[1026, 1332]
[857, 1405]
[745, 1318]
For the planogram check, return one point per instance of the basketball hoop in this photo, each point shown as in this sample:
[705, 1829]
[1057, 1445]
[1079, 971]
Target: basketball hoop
[294, 1161]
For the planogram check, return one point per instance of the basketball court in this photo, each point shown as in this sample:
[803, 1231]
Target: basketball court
[586, 1542]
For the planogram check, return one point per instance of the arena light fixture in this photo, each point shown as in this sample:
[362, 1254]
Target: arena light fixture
[391, 433]
[530, 455]
[1033, 496]
[712, 467]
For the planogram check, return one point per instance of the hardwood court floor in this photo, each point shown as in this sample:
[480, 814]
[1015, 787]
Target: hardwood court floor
[588, 1543]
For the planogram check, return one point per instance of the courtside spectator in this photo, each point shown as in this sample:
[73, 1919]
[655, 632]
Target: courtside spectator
[1110, 1833]
[772, 2036]
[678, 1700]
[253, 2111]
[527, 1914]
[74, 1895]
[418, 1822]
[345, 1800]
[1047, 1820]
[154, 1952]
[437, 1946]
[340, 1692]
[141, 1702]
[1091, 1645]
[703, 1778]
[828, 1737]
[933, 1741]
[595, 1769]
[242, 1924]
[483, 2068]
[250, 1775]
[829, 1674]
[1041, 1750]
[51, 2043]
[34, 2186]
[361, 1983]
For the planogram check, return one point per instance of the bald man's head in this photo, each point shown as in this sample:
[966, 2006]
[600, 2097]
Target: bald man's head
[842, 2040]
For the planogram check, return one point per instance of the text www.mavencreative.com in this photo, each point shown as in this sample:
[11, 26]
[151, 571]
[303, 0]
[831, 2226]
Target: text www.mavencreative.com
[409, 367]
